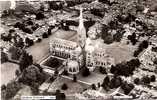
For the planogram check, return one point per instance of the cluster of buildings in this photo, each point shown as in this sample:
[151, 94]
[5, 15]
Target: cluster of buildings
[147, 59]
[84, 52]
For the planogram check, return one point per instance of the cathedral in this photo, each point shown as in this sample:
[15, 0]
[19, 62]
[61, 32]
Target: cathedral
[83, 53]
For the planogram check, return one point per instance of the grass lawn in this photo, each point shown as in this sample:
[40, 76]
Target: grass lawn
[73, 87]
[39, 50]
[120, 52]
[8, 72]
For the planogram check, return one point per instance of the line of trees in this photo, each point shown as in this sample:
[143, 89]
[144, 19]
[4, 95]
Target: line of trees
[143, 45]
[125, 68]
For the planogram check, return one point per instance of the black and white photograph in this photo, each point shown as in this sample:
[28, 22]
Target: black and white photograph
[78, 49]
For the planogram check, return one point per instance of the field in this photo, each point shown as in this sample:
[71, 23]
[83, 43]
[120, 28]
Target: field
[73, 87]
[8, 72]
[120, 52]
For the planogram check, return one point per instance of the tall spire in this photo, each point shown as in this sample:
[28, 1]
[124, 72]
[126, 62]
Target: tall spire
[81, 30]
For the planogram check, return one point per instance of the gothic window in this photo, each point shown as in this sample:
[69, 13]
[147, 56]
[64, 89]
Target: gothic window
[74, 70]
[70, 70]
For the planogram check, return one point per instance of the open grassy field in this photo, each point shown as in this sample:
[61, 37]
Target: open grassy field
[120, 52]
[8, 72]
[73, 87]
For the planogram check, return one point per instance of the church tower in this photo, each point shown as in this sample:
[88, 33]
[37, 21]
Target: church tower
[81, 32]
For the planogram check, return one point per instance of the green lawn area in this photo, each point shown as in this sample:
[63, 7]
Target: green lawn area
[40, 50]
[8, 72]
[73, 87]
[121, 52]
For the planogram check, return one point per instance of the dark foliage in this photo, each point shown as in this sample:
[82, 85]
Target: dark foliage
[65, 72]
[11, 30]
[55, 6]
[155, 61]
[125, 68]
[153, 78]
[64, 87]
[25, 60]
[11, 89]
[88, 24]
[115, 82]
[4, 57]
[154, 49]
[39, 40]
[107, 37]
[40, 16]
[97, 12]
[45, 35]
[126, 87]
[137, 81]
[3, 87]
[27, 30]
[29, 22]
[132, 38]
[6, 38]
[143, 45]
[19, 25]
[29, 42]
[146, 80]
[32, 77]
[93, 86]
[15, 53]
[19, 43]
[85, 72]
[102, 70]
[106, 83]
[74, 78]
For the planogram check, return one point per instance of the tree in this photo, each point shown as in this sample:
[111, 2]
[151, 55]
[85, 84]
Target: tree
[11, 30]
[126, 87]
[64, 86]
[15, 52]
[74, 78]
[93, 86]
[27, 30]
[155, 61]
[29, 42]
[136, 53]
[3, 87]
[85, 72]
[32, 76]
[19, 43]
[134, 62]
[146, 79]
[106, 82]
[17, 72]
[106, 36]
[137, 81]
[40, 16]
[29, 22]
[153, 78]
[65, 72]
[144, 45]
[45, 35]
[132, 38]
[25, 60]
[115, 82]
[102, 70]
[4, 57]
[11, 89]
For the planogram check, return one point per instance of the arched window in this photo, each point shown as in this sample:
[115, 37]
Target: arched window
[70, 70]
[74, 70]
